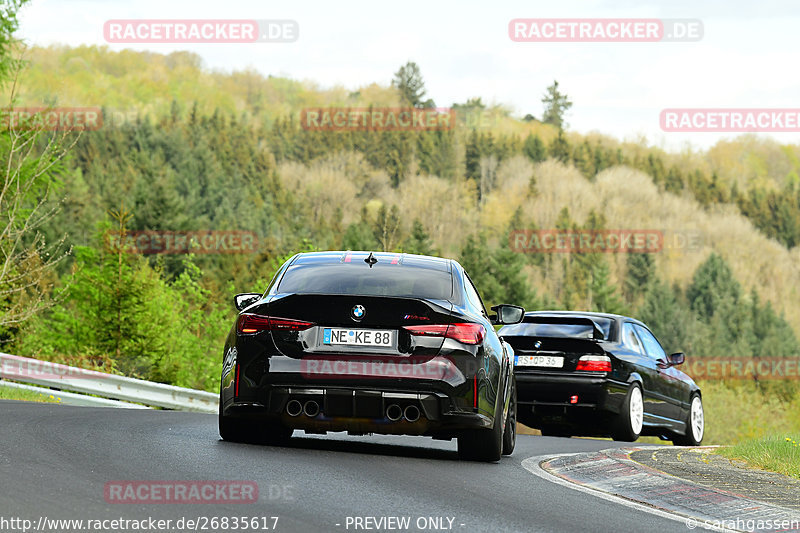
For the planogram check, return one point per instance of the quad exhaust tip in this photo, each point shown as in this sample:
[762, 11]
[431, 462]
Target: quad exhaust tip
[311, 408]
[294, 408]
[411, 413]
[394, 412]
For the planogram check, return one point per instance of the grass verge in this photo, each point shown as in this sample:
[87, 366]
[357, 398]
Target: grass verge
[776, 453]
[9, 393]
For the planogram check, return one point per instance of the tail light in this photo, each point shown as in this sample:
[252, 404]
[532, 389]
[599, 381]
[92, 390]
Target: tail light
[594, 363]
[249, 323]
[466, 333]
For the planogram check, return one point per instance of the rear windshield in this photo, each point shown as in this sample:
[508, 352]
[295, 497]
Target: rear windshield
[571, 331]
[380, 280]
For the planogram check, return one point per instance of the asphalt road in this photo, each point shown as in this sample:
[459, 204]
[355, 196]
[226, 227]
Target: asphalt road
[55, 461]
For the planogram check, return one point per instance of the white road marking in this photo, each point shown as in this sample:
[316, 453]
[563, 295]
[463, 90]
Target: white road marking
[531, 464]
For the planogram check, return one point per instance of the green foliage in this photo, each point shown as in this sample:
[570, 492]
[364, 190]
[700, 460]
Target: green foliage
[227, 151]
[664, 312]
[121, 315]
[640, 270]
[9, 24]
[559, 149]
[419, 242]
[497, 275]
[534, 148]
[713, 285]
[408, 80]
[603, 294]
[556, 104]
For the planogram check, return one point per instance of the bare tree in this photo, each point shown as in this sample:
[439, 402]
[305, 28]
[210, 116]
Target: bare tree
[31, 157]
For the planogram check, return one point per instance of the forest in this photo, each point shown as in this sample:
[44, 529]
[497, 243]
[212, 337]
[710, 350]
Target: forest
[186, 149]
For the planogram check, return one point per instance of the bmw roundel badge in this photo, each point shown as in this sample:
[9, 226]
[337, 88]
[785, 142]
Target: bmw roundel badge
[358, 312]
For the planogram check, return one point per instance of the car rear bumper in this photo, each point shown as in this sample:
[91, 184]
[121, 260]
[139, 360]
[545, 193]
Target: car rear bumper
[550, 398]
[319, 409]
[436, 396]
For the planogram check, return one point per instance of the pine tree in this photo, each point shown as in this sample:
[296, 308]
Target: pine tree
[603, 294]
[408, 81]
[419, 242]
[556, 104]
[666, 315]
[559, 149]
[640, 270]
[534, 148]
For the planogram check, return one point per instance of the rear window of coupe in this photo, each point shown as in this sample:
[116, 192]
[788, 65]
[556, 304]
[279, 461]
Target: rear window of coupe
[380, 280]
[569, 331]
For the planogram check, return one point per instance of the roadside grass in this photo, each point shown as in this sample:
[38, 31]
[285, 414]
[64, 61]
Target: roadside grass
[746, 411]
[8, 393]
[776, 453]
[741, 412]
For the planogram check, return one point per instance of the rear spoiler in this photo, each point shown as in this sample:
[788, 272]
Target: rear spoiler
[597, 332]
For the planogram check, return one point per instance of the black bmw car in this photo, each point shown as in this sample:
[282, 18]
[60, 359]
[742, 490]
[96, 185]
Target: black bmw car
[370, 343]
[595, 374]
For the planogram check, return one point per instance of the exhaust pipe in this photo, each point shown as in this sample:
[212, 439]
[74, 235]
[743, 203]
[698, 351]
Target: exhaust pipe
[411, 413]
[394, 412]
[293, 408]
[311, 408]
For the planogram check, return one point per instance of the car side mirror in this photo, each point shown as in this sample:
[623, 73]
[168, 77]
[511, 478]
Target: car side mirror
[674, 359]
[240, 301]
[507, 314]
[677, 358]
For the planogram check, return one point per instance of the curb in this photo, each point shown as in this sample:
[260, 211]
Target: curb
[613, 474]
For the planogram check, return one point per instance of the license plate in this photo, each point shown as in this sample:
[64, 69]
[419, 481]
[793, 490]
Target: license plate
[358, 337]
[548, 361]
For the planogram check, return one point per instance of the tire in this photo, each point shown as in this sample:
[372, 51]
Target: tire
[231, 429]
[510, 431]
[628, 424]
[483, 444]
[251, 431]
[695, 424]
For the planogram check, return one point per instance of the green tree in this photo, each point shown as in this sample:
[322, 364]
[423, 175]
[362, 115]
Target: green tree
[534, 148]
[639, 272]
[664, 312]
[559, 149]
[603, 294]
[408, 80]
[9, 24]
[712, 283]
[419, 242]
[556, 104]
[498, 274]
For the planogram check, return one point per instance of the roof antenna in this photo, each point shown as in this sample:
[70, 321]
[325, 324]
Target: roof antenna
[370, 260]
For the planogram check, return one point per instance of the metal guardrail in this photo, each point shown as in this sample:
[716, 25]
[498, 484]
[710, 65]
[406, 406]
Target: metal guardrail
[70, 378]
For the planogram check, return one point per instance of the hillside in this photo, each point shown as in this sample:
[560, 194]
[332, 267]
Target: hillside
[200, 150]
